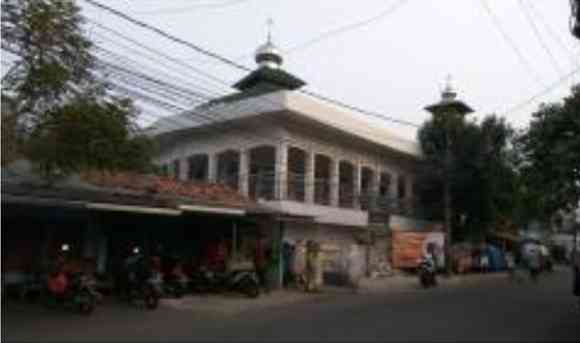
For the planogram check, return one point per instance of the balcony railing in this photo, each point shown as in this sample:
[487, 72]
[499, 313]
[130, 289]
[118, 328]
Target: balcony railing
[322, 191]
[262, 186]
[296, 187]
[380, 207]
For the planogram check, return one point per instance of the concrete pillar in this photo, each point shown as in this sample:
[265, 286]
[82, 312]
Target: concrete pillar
[376, 182]
[393, 186]
[244, 173]
[183, 169]
[281, 176]
[410, 191]
[212, 167]
[357, 183]
[374, 190]
[334, 181]
[310, 179]
[394, 190]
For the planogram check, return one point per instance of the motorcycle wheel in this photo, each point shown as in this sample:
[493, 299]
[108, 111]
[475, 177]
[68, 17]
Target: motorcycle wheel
[151, 300]
[88, 304]
[178, 292]
[250, 289]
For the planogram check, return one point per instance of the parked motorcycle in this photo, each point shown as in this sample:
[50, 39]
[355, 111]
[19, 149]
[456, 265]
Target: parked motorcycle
[144, 282]
[76, 289]
[243, 281]
[175, 282]
[427, 273]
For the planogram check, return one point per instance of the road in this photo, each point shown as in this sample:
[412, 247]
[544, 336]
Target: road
[490, 310]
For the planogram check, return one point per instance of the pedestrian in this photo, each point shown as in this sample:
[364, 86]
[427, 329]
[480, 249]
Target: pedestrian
[534, 263]
[299, 265]
[484, 261]
[576, 286]
[354, 268]
[510, 264]
[261, 264]
[287, 262]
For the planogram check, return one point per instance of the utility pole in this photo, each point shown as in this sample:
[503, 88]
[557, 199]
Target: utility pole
[449, 111]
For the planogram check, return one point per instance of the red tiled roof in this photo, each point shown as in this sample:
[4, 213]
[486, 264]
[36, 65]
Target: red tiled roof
[195, 192]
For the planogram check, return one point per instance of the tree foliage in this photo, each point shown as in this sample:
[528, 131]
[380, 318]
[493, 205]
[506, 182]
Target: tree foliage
[481, 177]
[551, 155]
[71, 122]
[86, 134]
[53, 55]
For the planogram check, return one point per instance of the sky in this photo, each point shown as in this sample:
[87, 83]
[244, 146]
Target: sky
[394, 64]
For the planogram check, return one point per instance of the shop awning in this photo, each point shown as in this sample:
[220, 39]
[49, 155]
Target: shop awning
[214, 210]
[133, 209]
[30, 200]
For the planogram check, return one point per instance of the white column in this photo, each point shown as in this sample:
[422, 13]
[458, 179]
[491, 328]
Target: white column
[282, 170]
[334, 181]
[183, 169]
[212, 167]
[243, 175]
[394, 189]
[357, 183]
[310, 178]
[375, 185]
[409, 187]
[376, 182]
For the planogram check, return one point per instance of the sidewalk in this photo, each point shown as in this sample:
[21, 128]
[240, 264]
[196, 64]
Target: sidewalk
[225, 304]
[406, 283]
[234, 304]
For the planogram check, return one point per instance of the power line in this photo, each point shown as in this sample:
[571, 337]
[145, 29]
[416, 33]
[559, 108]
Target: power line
[544, 91]
[211, 54]
[539, 37]
[194, 7]
[161, 54]
[349, 27]
[574, 59]
[166, 35]
[523, 60]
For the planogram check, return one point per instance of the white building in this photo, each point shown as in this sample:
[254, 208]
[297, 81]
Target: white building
[295, 154]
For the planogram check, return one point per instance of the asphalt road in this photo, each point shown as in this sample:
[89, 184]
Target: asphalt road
[490, 310]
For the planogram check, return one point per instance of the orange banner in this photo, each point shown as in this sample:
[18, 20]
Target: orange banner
[409, 247]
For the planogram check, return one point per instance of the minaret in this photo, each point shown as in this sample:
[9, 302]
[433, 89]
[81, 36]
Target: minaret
[449, 105]
[448, 112]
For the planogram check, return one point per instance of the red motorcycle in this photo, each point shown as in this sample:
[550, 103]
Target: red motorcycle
[73, 289]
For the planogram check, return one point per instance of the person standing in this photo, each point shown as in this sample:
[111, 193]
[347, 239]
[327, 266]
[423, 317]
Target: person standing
[484, 261]
[534, 263]
[355, 268]
[510, 264]
[576, 286]
[261, 264]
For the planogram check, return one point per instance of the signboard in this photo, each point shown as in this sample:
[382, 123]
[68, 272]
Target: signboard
[409, 247]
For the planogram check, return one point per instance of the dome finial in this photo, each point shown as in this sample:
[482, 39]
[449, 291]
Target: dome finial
[270, 24]
[448, 93]
[268, 55]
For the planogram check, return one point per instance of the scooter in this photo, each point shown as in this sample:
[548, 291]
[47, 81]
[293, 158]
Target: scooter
[427, 277]
[144, 283]
[243, 281]
[175, 282]
[76, 289]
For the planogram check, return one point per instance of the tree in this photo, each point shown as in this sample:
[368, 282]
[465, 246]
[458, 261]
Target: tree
[551, 155]
[86, 134]
[53, 55]
[481, 177]
[71, 122]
